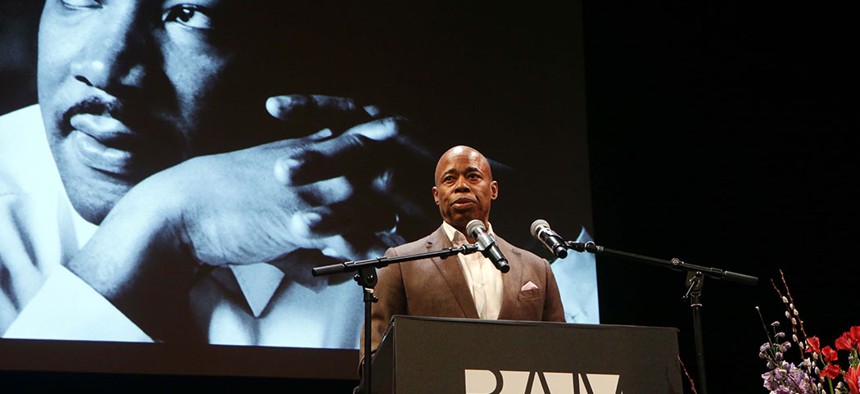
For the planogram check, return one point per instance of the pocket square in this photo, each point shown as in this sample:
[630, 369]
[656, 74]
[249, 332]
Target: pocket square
[529, 286]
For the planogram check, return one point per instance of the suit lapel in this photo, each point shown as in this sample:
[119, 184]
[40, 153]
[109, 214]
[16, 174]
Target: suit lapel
[511, 281]
[453, 273]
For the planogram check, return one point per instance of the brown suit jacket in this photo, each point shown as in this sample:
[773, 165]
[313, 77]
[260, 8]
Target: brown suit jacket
[437, 287]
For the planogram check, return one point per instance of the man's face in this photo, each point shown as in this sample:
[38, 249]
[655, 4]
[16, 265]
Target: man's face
[128, 88]
[464, 187]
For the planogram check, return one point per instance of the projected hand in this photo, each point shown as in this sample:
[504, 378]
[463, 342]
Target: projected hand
[342, 190]
[332, 191]
[364, 181]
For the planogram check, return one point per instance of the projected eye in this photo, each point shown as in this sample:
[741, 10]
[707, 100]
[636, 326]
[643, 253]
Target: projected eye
[189, 16]
[81, 4]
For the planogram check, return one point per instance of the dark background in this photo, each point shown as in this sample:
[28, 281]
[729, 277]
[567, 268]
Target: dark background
[721, 133]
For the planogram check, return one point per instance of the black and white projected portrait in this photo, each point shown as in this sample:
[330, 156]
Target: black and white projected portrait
[172, 171]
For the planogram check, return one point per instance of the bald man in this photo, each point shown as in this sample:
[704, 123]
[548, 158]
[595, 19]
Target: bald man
[464, 286]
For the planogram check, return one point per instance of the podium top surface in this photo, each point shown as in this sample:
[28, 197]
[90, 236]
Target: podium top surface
[521, 323]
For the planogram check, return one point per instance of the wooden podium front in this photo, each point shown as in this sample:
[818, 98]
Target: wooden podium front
[433, 355]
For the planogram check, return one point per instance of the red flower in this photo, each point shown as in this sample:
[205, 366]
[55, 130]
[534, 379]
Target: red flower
[813, 345]
[852, 375]
[830, 371]
[849, 340]
[854, 335]
[844, 342]
[829, 354]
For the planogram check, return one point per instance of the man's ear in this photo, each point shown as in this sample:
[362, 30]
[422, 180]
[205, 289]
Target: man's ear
[495, 188]
[436, 195]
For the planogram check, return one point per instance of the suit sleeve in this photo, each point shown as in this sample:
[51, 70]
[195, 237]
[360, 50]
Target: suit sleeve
[553, 310]
[392, 301]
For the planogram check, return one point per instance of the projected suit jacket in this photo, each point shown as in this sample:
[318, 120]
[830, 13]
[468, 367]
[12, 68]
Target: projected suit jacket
[437, 287]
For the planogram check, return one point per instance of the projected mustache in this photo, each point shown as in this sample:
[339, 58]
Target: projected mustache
[137, 117]
[95, 106]
[152, 143]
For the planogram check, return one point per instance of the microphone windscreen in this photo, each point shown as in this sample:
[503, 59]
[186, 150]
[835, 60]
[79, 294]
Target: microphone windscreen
[474, 225]
[536, 225]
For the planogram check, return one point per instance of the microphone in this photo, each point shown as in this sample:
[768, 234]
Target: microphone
[552, 241]
[487, 245]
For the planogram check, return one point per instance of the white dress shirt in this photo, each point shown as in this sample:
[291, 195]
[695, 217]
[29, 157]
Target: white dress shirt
[483, 278]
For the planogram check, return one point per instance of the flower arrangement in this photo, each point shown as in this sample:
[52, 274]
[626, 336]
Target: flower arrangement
[820, 370]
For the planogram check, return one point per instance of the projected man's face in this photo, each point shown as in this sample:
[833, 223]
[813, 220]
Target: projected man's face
[128, 88]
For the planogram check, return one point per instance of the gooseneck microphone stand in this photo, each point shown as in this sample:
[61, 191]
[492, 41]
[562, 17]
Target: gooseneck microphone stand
[693, 282]
[366, 278]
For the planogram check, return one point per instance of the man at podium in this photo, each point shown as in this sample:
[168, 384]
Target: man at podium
[508, 283]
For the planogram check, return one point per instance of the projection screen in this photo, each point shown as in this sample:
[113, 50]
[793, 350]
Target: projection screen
[150, 129]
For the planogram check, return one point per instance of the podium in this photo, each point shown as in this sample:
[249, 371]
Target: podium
[436, 355]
